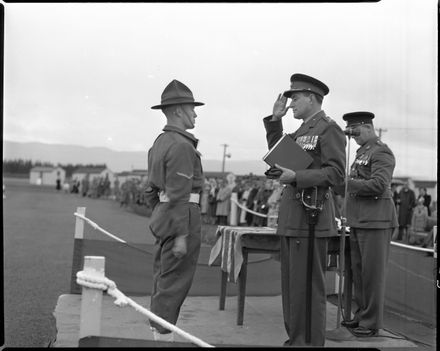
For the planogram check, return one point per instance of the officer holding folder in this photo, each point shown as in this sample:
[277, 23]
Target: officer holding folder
[307, 214]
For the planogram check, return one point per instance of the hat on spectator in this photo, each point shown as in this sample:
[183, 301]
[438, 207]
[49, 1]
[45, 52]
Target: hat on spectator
[176, 93]
[358, 118]
[301, 82]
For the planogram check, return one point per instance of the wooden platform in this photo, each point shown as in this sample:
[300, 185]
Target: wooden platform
[201, 317]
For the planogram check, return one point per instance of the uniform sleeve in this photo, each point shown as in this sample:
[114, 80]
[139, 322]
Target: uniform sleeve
[274, 130]
[179, 173]
[382, 167]
[332, 168]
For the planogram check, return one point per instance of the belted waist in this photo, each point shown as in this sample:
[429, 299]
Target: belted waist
[193, 197]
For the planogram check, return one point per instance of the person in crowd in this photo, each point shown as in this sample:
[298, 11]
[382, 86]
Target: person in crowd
[175, 181]
[212, 201]
[261, 203]
[116, 189]
[407, 202]
[204, 202]
[419, 222]
[274, 204]
[85, 185]
[371, 216]
[58, 185]
[324, 141]
[223, 202]
[426, 199]
[243, 200]
[250, 203]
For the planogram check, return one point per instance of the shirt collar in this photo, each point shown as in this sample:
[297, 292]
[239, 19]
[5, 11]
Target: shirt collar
[186, 134]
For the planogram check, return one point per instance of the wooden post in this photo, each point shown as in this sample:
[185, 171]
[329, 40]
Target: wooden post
[233, 214]
[91, 299]
[79, 223]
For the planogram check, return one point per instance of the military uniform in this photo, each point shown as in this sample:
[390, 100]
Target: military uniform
[324, 141]
[371, 216]
[175, 181]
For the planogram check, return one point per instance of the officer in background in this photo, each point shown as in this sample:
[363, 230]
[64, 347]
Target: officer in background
[371, 216]
[175, 181]
[324, 141]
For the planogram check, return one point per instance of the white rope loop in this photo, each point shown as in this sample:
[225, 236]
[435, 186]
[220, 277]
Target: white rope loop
[109, 286]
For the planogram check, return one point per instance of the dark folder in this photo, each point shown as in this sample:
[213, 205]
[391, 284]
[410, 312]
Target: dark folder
[288, 154]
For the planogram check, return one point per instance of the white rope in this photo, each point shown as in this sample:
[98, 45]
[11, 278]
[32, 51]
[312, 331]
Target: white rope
[97, 227]
[253, 212]
[105, 284]
[414, 248]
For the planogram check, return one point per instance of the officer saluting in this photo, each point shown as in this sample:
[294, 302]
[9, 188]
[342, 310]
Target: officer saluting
[324, 141]
[175, 181]
[371, 216]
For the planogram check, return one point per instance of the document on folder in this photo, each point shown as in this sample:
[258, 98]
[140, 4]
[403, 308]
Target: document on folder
[288, 154]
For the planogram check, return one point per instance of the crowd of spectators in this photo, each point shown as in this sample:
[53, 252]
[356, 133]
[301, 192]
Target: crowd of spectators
[258, 195]
[417, 215]
[97, 187]
[258, 201]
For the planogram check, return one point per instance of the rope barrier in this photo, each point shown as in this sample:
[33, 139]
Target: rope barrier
[97, 227]
[411, 247]
[109, 286]
[253, 212]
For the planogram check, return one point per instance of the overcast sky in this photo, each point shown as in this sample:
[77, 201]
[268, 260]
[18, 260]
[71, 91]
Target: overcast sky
[87, 74]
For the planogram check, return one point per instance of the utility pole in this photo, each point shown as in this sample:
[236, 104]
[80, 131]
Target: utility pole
[380, 130]
[224, 156]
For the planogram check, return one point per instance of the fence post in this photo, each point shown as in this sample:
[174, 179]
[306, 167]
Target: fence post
[79, 223]
[91, 299]
[233, 213]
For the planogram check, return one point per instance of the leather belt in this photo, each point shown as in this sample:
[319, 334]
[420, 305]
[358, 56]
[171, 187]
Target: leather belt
[193, 197]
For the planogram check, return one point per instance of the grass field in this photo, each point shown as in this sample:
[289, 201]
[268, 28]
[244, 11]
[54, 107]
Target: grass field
[38, 229]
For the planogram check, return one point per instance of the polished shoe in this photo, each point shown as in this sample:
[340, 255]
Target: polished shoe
[362, 332]
[350, 323]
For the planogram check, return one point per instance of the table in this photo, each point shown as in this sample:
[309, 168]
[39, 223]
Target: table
[233, 246]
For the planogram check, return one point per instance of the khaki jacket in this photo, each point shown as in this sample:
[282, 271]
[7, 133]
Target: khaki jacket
[174, 167]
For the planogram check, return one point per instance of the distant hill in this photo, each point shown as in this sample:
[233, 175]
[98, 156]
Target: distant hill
[117, 161]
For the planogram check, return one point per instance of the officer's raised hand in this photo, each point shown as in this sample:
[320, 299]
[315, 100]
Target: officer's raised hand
[279, 108]
[288, 176]
[179, 247]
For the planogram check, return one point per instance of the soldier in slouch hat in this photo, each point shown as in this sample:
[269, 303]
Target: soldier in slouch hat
[175, 181]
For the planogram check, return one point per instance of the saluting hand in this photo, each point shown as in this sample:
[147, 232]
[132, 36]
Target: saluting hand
[288, 176]
[279, 107]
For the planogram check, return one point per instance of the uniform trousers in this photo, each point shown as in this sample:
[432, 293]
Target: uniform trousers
[369, 250]
[293, 258]
[172, 277]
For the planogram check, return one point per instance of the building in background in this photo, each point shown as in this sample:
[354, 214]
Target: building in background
[46, 175]
[139, 174]
[93, 172]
